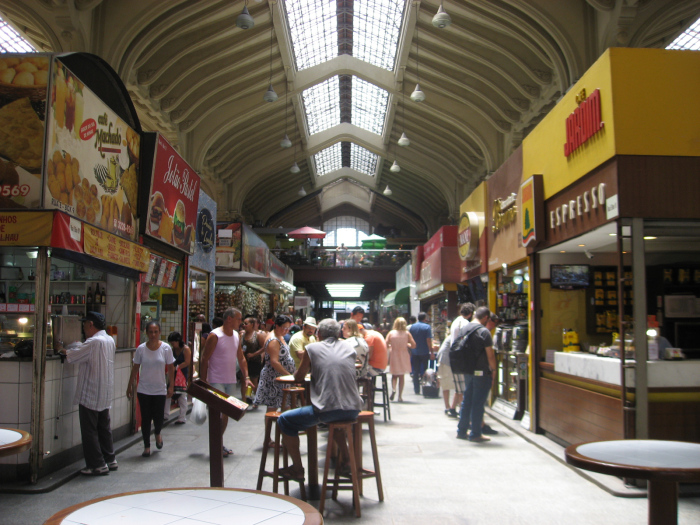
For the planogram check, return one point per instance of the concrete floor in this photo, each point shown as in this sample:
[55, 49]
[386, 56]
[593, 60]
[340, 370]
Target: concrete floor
[429, 476]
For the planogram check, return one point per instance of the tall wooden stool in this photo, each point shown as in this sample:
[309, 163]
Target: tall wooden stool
[345, 429]
[367, 418]
[293, 397]
[385, 394]
[364, 387]
[290, 397]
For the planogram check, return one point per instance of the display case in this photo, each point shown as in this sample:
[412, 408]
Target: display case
[512, 298]
[602, 300]
[511, 384]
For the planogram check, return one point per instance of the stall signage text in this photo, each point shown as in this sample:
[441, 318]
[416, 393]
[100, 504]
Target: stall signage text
[108, 247]
[205, 230]
[504, 212]
[584, 122]
[468, 235]
[585, 203]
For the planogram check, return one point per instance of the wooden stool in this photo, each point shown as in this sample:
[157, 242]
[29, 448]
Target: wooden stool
[364, 386]
[385, 394]
[293, 397]
[344, 428]
[368, 418]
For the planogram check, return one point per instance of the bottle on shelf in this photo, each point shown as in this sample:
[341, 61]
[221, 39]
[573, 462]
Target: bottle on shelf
[98, 295]
[103, 297]
[90, 297]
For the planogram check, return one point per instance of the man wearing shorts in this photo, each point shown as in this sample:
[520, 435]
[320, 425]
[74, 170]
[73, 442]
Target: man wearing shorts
[334, 395]
[221, 351]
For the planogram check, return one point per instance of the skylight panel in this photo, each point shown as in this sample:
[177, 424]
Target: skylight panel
[322, 108]
[328, 160]
[11, 41]
[314, 31]
[369, 105]
[363, 160]
[376, 28]
[689, 39]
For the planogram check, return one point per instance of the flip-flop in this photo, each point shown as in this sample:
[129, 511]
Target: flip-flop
[391, 397]
[146, 454]
[288, 473]
[227, 452]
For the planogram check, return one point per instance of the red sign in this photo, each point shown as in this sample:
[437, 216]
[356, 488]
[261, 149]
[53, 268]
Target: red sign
[172, 208]
[583, 123]
[445, 236]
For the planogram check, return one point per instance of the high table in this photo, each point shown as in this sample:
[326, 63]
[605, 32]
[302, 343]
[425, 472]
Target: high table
[194, 506]
[13, 441]
[663, 463]
[314, 489]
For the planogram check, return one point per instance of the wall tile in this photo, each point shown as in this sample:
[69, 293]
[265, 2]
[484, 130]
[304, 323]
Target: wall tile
[49, 448]
[9, 372]
[50, 393]
[25, 403]
[25, 372]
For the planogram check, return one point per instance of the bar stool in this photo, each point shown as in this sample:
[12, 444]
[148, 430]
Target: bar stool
[290, 396]
[364, 386]
[344, 428]
[385, 394]
[368, 418]
[293, 397]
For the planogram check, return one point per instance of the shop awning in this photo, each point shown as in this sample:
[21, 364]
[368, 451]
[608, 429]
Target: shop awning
[398, 297]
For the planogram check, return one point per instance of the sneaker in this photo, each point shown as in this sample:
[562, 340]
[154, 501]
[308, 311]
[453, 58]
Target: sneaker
[488, 430]
[113, 465]
[479, 439]
[451, 413]
[100, 471]
[462, 436]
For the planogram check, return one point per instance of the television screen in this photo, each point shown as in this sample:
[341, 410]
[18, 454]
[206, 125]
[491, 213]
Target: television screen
[568, 276]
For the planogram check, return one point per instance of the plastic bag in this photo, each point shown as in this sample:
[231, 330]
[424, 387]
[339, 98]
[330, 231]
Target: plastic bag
[199, 412]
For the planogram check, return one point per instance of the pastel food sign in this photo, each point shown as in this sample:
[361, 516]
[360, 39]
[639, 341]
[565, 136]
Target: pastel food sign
[92, 157]
[172, 207]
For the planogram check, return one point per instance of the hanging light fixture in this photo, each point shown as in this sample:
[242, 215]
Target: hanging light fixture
[295, 168]
[302, 192]
[387, 191]
[441, 19]
[403, 141]
[417, 95]
[285, 142]
[244, 20]
[395, 168]
[270, 95]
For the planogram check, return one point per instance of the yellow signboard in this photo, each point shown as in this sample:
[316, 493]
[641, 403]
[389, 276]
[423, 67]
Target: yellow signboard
[29, 228]
[108, 247]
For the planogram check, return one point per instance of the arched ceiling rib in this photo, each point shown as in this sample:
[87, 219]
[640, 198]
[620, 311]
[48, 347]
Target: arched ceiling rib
[489, 78]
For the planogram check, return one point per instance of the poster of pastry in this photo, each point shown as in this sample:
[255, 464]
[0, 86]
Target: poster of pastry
[174, 198]
[228, 246]
[92, 157]
[23, 91]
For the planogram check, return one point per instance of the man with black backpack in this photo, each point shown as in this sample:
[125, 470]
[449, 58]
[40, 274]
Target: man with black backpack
[473, 364]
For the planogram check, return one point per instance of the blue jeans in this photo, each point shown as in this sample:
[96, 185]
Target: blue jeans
[419, 363]
[294, 421]
[472, 412]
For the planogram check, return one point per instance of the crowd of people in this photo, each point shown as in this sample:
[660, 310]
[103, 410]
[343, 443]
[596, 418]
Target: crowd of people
[251, 355]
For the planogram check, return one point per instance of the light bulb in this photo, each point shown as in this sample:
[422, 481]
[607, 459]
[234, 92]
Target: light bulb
[270, 95]
[395, 168]
[441, 19]
[285, 142]
[295, 168]
[417, 95]
[387, 190]
[302, 192]
[403, 141]
[244, 20]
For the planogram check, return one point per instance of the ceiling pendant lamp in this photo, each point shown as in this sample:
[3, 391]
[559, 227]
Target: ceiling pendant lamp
[387, 191]
[417, 95]
[403, 141]
[441, 19]
[302, 192]
[270, 95]
[395, 168]
[285, 142]
[295, 168]
[244, 20]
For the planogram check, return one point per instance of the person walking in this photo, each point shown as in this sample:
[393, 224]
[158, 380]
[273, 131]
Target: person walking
[222, 351]
[93, 393]
[151, 361]
[183, 359]
[399, 341]
[423, 336]
[252, 341]
[277, 362]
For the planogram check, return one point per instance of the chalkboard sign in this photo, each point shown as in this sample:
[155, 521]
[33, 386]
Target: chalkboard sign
[169, 301]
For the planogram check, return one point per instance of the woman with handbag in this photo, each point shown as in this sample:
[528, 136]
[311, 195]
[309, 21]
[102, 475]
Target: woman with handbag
[151, 359]
[183, 359]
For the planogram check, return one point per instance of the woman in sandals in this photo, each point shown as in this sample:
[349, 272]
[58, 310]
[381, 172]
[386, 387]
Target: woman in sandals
[277, 362]
[183, 359]
[152, 359]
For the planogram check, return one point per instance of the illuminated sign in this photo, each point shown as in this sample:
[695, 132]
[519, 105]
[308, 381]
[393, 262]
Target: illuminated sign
[584, 122]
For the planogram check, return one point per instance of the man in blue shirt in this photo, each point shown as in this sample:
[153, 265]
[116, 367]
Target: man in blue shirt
[423, 335]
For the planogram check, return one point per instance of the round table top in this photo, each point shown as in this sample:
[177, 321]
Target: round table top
[639, 458]
[194, 506]
[290, 379]
[13, 441]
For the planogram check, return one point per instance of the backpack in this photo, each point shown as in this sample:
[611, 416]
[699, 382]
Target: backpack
[463, 355]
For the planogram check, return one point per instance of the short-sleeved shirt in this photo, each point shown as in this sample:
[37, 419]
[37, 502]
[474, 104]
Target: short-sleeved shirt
[421, 332]
[482, 340]
[379, 357]
[298, 343]
[152, 374]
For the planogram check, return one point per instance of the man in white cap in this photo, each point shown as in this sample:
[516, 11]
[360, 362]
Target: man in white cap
[298, 342]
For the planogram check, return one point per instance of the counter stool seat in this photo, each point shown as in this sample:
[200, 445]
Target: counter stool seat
[366, 417]
[344, 429]
[385, 394]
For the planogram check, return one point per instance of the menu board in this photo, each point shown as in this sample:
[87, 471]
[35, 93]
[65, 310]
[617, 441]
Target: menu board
[228, 246]
[162, 272]
[23, 93]
[172, 208]
[92, 157]
[114, 249]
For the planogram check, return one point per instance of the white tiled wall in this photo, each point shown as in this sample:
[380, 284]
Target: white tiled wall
[64, 432]
[118, 309]
[170, 321]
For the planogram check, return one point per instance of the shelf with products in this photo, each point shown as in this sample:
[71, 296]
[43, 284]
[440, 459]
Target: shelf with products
[83, 295]
[602, 299]
[512, 295]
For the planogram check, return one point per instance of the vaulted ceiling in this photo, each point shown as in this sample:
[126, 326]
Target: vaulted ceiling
[489, 77]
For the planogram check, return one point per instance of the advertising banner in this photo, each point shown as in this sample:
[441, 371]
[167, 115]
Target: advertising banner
[172, 208]
[92, 157]
[228, 246]
[25, 228]
[162, 272]
[114, 249]
[255, 253]
[204, 256]
[23, 95]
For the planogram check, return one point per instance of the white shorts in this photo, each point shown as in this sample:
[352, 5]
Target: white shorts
[446, 378]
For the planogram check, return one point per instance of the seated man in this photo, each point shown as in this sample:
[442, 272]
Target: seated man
[334, 395]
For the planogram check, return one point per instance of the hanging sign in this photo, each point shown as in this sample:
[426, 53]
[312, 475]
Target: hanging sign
[108, 247]
[584, 122]
[532, 192]
[468, 235]
[30, 228]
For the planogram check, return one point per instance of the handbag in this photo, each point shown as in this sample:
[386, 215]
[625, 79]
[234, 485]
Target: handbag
[180, 381]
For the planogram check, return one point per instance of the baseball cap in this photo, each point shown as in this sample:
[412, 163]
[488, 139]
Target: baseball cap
[96, 317]
[311, 321]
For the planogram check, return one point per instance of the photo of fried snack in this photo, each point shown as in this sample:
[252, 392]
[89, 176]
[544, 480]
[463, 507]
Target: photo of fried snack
[63, 173]
[130, 185]
[166, 227]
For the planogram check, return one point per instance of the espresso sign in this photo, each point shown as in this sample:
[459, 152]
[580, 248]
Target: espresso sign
[172, 208]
